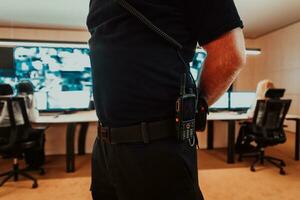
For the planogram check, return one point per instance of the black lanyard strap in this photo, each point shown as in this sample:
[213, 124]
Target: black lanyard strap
[148, 23]
[163, 35]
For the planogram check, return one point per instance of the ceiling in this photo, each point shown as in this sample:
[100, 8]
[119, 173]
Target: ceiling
[259, 16]
[264, 16]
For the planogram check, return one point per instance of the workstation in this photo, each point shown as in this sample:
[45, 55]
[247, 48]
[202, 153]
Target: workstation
[51, 55]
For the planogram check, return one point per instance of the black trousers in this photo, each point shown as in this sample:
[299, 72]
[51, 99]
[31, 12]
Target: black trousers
[161, 170]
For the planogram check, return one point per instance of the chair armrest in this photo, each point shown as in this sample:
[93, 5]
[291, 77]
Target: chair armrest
[40, 128]
[28, 144]
[3, 141]
[247, 122]
[28, 133]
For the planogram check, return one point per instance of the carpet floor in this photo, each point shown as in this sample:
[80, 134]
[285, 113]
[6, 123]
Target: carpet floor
[218, 180]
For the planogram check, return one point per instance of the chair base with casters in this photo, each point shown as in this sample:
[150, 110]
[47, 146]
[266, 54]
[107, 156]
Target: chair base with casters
[261, 158]
[16, 172]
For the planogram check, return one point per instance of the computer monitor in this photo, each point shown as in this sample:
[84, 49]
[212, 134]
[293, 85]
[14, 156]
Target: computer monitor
[6, 63]
[61, 100]
[61, 75]
[222, 103]
[241, 100]
[197, 63]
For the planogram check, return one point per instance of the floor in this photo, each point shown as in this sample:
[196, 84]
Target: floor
[218, 180]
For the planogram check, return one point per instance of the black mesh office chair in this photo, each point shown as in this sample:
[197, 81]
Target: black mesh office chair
[267, 130]
[18, 140]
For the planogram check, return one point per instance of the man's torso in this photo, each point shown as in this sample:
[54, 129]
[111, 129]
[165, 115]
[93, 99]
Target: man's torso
[136, 73]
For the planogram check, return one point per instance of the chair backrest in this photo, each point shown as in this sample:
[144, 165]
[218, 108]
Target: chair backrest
[1, 107]
[14, 136]
[13, 133]
[20, 101]
[275, 93]
[270, 114]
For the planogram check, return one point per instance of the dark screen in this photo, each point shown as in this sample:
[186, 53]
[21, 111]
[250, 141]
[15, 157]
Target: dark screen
[188, 109]
[6, 58]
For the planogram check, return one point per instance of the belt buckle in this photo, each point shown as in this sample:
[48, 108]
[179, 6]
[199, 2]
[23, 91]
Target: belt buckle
[145, 133]
[104, 134]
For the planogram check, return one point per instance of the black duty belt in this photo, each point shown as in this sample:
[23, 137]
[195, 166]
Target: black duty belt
[143, 132]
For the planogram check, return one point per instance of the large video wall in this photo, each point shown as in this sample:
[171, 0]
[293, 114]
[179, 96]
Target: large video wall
[61, 75]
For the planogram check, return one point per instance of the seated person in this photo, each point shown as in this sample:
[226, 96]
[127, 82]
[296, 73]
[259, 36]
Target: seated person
[261, 89]
[34, 157]
[6, 90]
[26, 89]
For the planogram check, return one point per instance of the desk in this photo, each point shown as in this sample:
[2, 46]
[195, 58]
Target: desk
[82, 118]
[231, 118]
[296, 118]
[85, 117]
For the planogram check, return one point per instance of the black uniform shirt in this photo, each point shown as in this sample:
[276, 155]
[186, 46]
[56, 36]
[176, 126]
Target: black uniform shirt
[136, 74]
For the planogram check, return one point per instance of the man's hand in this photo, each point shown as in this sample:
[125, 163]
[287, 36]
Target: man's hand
[225, 58]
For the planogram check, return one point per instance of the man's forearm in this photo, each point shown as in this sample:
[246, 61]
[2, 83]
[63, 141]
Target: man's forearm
[226, 56]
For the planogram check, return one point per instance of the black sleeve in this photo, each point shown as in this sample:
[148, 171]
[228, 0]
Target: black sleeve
[209, 19]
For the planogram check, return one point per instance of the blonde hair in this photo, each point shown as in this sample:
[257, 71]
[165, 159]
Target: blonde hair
[262, 88]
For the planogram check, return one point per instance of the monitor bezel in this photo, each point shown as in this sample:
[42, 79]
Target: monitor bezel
[238, 108]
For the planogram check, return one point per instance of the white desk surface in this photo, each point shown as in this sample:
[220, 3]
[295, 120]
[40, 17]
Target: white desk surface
[236, 116]
[292, 116]
[219, 116]
[90, 116]
[77, 117]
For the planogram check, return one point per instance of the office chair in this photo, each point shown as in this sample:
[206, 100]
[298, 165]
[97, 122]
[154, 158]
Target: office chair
[267, 130]
[18, 141]
[275, 93]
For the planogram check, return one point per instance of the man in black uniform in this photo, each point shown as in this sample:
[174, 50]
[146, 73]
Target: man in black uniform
[136, 78]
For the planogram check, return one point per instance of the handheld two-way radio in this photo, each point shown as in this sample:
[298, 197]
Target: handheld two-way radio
[185, 114]
[186, 104]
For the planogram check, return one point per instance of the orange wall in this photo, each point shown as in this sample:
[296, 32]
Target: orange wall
[43, 34]
[245, 80]
[280, 62]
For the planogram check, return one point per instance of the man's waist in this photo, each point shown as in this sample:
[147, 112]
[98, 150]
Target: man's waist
[143, 132]
[122, 117]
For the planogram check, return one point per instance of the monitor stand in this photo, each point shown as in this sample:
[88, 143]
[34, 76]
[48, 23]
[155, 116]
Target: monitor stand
[67, 112]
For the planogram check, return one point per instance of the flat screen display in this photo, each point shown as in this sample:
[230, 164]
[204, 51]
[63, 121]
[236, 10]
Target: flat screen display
[222, 102]
[241, 100]
[61, 75]
[197, 63]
